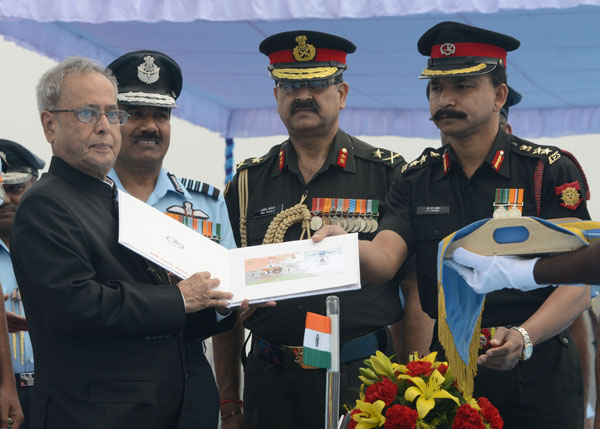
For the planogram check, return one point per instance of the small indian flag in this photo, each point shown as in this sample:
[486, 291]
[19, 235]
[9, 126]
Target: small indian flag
[317, 336]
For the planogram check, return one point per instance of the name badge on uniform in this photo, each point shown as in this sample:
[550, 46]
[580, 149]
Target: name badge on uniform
[433, 210]
[267, 211]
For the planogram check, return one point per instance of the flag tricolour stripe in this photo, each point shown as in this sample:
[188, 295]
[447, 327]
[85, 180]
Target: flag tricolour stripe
[317, 337]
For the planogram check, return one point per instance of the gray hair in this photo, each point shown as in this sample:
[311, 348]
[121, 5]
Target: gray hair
[50, 85]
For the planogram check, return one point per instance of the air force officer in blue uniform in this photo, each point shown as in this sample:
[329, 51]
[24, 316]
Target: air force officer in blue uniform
[149, 84]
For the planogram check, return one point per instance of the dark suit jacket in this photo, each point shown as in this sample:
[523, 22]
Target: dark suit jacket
[106, 327]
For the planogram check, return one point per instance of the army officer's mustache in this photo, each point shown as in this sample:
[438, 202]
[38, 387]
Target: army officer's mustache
[309, 104]
[447, 113]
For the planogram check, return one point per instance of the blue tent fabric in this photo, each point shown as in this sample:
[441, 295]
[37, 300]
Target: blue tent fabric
[227, 88]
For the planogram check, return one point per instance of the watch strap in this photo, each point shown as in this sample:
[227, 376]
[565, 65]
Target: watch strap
[527, 344]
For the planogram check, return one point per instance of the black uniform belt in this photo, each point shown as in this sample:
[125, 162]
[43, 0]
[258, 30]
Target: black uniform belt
[291, 357]
[24, 379]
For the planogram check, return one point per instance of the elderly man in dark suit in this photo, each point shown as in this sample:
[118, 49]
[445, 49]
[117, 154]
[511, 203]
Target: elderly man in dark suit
[106, 325]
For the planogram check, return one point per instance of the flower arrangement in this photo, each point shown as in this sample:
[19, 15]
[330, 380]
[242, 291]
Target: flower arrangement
[420, 395]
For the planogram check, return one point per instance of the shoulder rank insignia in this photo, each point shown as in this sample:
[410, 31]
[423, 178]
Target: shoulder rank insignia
[549, 154]
[175, 183]
[392, 157]
[570, 195]
[251, 162]
[201, 187]
[379, 155]
[425, 158]
[187, 209]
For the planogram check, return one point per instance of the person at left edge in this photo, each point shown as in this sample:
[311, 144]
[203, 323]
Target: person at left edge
[148, 97]
[11, 414]
[106, 324]
[20, 170]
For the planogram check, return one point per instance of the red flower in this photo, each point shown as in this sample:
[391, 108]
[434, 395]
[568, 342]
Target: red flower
[490, 413]
[385, 390]
[353, 424]
[400, 417]
[467, 417]
[419, 367]
[442, 368]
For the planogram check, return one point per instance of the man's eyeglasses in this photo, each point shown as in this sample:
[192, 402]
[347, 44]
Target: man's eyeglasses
[311, 85]
[91, 115]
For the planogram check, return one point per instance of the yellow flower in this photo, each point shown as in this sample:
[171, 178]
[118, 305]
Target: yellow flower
[367, 376]
[473, 403]
[382, 365]
[427, 393]
[370, 414]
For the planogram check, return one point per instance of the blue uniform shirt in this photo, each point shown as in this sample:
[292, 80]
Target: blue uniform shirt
[196, 204]
[20, 344]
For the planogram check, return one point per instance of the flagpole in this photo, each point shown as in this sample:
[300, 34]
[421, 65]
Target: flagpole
[332, 395]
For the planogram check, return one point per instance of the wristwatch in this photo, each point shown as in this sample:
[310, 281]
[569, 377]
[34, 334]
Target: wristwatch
[528, 345]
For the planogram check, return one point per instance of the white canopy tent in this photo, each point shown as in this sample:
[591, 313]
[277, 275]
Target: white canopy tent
[227, 90]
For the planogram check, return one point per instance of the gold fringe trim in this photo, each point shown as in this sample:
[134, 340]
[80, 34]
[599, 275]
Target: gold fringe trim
[428, 72]
[465, 374]
[304, 73]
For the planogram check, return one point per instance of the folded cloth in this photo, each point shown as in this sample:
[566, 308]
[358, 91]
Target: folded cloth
[460, 307]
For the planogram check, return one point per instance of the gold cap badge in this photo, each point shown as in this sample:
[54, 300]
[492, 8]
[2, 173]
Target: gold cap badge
[304, 51]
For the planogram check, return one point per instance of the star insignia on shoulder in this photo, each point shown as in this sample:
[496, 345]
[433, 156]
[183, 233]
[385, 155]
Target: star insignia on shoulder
[418, 161]
[240, 164]
[256, 160]
[377, 154]
[542, 151]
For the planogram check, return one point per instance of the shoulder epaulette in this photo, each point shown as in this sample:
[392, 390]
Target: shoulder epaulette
[382, 156]
[250, 162]
[548, 154]
[200, 187]
[175, 182]
[257, 160]
[428, 156]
